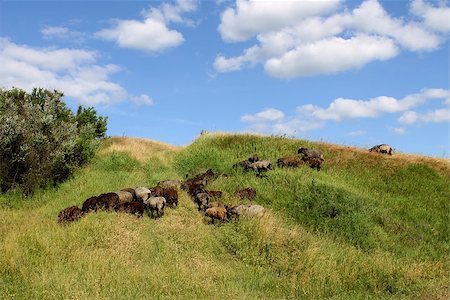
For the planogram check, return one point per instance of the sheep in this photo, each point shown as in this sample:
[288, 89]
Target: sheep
[90, 204]
[289, 161]
[202, 201]
[259, 167]
[309, 153]
[104, 201]
[382, 148]
[125, 196]
[216, 213]
[133, 207]
[313, 162]
[142, 193]
[155, 204]
[242, 164]
[176, 184]
[70, 214]
[170, 194]
[130, 190]
[196, 188]
[251, 210]
[247, 162]
[248, 193]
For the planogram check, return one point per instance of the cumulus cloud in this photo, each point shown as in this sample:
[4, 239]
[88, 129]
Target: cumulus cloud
[309, 117]
[304, 38]
[441, 115]
[152, 34]
[331, 56]
[249, 18]
[73, 71]
[435, 18]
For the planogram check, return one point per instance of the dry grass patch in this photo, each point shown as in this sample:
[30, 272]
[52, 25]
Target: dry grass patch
[141, 149]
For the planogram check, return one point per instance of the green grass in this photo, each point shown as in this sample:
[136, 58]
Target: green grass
[365, 227]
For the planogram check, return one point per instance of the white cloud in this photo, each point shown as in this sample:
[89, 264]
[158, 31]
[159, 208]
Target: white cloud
[441, 115]
[269, 114]
[249, 18]
[72, 71]
[142, 100]
[331, 56]
[151, 35]
[436, 18]
[64, 33]
[408, 117]
[317, 37]
[310, 117]
[399, 130]
[342, 109]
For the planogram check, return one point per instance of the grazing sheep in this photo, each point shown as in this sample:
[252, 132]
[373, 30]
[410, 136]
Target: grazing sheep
[202, 201]
[134, 207]
[313, 162]
[125, 196]
[216, 213]
[289, 161]
[130, 190]
[90, 204]
[242, 164]
[195, 188]
[104, 201]
[259, 167]
[176, 184]
[142, 193]
[215, 194]
[246, 163]
[250, 210]
[246, 193]
[155, 205]
[310, 153]
[170, 194]
[253, 158]
[382, 148]
[70, 214]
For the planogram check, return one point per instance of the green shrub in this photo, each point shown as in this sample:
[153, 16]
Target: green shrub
[41, 140]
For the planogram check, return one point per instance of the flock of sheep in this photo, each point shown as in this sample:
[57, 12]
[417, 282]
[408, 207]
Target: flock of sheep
[165, 194]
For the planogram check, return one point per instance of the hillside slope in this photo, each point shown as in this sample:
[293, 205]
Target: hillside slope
[365, 226]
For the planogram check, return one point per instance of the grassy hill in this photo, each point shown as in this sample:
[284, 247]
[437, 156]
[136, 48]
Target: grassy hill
[365, 226]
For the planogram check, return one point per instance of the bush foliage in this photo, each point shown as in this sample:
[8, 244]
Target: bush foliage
[41, 140]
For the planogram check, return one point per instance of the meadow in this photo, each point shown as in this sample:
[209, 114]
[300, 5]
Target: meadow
[367, 226]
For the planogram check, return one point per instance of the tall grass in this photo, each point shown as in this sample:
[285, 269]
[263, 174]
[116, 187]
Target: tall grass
[365, 226]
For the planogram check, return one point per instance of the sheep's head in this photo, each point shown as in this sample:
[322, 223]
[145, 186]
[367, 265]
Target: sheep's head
[302, 150]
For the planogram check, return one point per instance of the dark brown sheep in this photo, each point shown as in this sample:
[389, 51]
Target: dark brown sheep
[70, 214]
[195, 188]
[170, 194]
[104, 201]
[90, 204]
[310, 153]
[246, 193]
[134, 207]
[289, 161]
[313, 162]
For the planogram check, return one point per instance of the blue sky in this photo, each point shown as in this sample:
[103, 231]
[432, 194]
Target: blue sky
[356, 73]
